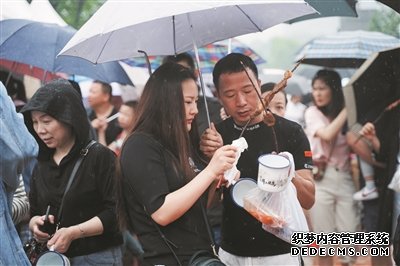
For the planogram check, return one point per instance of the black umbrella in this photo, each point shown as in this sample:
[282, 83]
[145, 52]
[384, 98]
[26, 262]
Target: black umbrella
[374, 86]
[394, 4]
[372, 90]
[331, 8]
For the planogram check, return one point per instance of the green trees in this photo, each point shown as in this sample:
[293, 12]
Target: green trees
[76, 12]
[387, 22]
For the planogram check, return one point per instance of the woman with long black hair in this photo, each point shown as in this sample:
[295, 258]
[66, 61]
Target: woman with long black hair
[161, 186]
[334, 209]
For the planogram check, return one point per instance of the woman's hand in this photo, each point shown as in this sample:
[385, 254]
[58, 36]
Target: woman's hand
[368, 131]
[35, 223]
[63, 237]
[222, 160]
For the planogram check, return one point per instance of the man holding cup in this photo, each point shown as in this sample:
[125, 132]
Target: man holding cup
[243, 240]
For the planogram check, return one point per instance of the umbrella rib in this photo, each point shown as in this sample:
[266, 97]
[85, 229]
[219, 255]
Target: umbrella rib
[248, 17]
[104, 45]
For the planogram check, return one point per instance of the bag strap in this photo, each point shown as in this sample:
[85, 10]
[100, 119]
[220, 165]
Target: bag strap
[163, 237]
[209, 232]
[83, 154]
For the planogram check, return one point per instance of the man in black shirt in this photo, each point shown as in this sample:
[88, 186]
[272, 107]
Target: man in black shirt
[243, 239]
[99, 98]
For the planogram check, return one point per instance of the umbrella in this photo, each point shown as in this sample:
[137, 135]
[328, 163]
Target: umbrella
[345, 49]
[393, 4]
[373, 87]
[37, 44]
[119, 30]
[23, 69]
[370, 95]
[208, 55]
[330, 8]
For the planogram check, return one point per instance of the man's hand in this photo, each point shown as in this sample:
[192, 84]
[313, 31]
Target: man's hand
[210, 141]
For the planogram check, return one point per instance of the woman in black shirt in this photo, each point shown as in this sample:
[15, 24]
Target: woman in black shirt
[160, 185]
[88, 231]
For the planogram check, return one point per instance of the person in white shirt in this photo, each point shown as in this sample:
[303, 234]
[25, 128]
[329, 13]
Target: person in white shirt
[295, 110]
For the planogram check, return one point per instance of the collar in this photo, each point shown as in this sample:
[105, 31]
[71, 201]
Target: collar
[249, 128]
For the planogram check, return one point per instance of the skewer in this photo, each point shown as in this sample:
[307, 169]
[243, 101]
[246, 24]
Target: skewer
[388, 108]
[298, 63]
[244, 128]
[254, 86]
[278, 87]
[111, 118]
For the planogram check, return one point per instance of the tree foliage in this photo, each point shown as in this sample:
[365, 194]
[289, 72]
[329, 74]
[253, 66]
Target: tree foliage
[387, 22]
[76, 12]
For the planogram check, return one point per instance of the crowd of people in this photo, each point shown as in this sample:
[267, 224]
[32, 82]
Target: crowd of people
[153, 178]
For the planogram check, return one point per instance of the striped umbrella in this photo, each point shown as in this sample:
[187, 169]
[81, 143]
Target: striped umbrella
[208, 54]
[345, 49]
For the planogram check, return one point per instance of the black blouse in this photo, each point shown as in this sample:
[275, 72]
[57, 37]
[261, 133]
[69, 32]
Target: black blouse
[91, 194]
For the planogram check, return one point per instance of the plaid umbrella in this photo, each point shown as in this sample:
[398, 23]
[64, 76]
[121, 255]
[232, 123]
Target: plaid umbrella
[345, 49]
[208, 54]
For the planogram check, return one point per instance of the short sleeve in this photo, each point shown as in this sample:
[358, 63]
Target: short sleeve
[300, 147]
[143, 167]
[314, 120]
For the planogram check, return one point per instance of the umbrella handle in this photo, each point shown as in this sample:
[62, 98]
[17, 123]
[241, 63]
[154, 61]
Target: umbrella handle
[147, 60]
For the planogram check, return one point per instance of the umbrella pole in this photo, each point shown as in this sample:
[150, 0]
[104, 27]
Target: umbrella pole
[230, 45]
[13, 67]
[8, 78]
[44, 77]
[196, 52]
[147, 60]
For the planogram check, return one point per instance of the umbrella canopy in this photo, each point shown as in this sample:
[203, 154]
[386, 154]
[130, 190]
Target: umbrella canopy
[373, 87]
[119, 29]
[393, 4]
[208, 55]
[345, 49]
[24, 69]
[331, 8]
[37, 44]
[371, 90]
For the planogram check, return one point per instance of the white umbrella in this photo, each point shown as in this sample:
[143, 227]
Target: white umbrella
[120, 29]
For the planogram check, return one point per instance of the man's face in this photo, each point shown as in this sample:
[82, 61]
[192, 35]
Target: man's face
[238, 96]
[96, 95]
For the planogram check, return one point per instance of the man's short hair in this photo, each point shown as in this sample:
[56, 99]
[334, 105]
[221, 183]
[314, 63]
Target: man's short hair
[232, 64]
[105, 87]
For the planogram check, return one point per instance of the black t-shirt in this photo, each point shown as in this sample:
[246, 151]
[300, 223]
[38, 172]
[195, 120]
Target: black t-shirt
[149, 176]
[242, 234]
